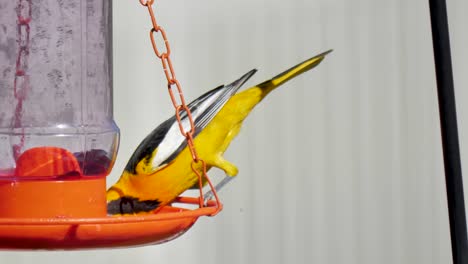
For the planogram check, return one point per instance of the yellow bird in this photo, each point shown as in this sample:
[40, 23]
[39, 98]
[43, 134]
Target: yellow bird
[160, 168]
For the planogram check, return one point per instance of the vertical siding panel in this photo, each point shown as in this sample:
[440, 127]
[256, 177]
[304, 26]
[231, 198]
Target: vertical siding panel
[342, 165]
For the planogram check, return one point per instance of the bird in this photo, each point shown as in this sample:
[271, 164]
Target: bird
[160, 169]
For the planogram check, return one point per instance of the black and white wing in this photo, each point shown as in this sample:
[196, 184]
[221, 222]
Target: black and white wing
[167, 138]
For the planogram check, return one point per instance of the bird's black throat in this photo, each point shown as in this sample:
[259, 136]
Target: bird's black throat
[131, 205]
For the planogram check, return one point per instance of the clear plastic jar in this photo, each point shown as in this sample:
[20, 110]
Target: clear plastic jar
[56, 89]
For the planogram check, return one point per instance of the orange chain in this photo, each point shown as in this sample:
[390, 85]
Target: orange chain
[21, 81]
[181, 106]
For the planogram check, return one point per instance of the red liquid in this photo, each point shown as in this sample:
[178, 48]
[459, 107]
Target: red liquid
[50, 163]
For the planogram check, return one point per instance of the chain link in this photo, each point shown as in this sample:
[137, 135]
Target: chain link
[178, 100]
[21, 81]
[23, 35]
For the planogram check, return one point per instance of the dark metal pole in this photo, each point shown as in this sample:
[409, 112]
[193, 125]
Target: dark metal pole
[448, 121]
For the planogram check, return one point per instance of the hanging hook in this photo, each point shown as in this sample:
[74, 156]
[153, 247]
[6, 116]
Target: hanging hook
[146, 2]
[209, 194]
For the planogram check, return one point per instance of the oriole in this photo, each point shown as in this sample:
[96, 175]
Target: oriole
[160, 168]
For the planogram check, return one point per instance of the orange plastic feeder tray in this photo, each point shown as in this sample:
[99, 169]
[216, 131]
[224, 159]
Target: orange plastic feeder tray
[39, 213]
[101, 232]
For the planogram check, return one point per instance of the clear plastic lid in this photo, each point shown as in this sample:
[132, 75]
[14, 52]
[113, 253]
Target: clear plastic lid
[56, 89]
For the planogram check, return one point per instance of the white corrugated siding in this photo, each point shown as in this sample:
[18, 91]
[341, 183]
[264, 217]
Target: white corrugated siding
[341, 165]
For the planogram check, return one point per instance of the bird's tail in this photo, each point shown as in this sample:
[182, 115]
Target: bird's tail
[269, 85]
[240, 105]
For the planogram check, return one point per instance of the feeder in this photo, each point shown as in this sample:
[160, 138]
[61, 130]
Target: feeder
[58, 139]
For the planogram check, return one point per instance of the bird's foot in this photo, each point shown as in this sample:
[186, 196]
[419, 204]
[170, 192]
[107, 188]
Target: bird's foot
[228, 168]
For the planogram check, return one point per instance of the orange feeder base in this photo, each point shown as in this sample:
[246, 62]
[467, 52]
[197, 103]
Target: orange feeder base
[101, 232]
[38, 211]
[55, 199]
[52, 215]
